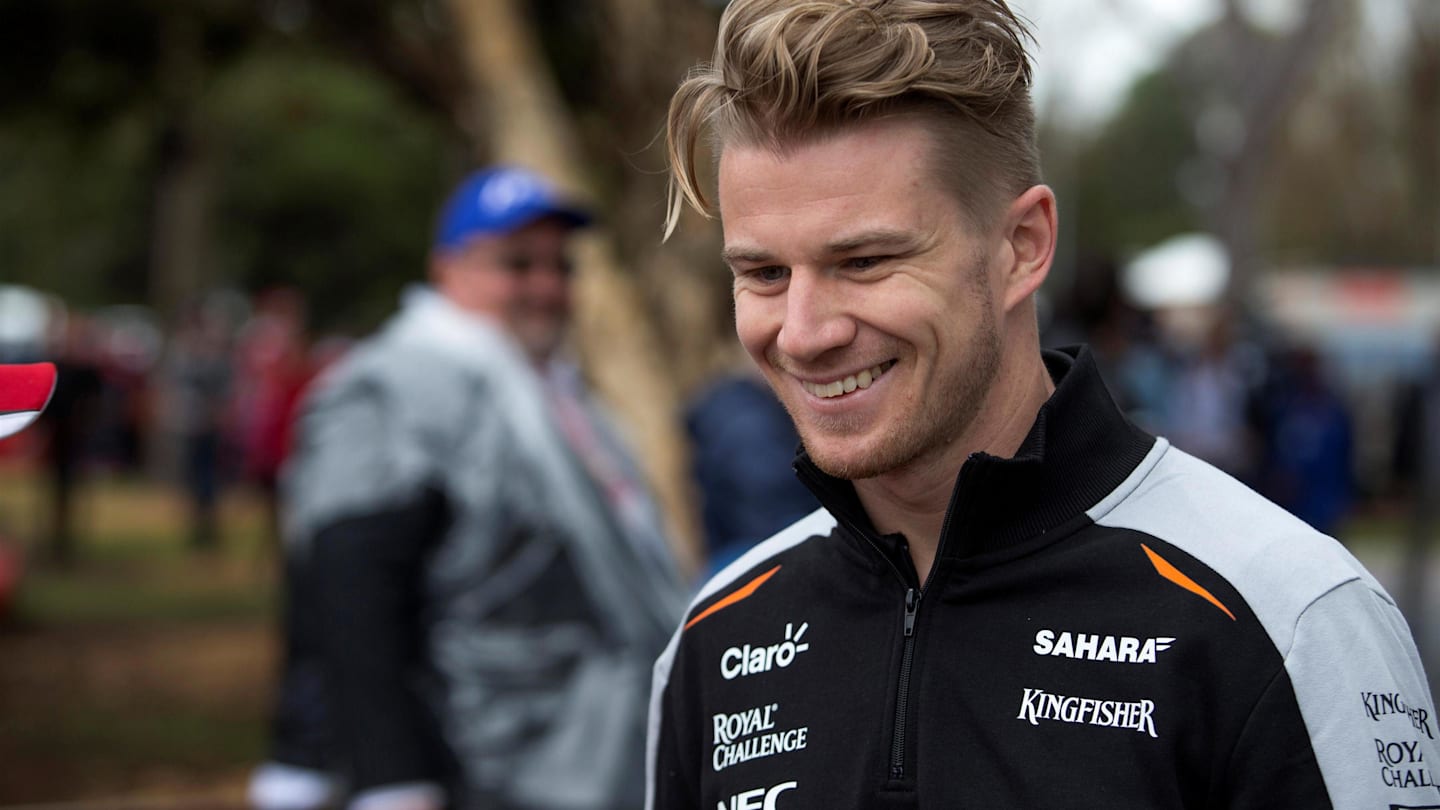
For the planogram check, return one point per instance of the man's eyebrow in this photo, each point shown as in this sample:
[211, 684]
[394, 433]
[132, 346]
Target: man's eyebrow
[881, 237]
[746, 255]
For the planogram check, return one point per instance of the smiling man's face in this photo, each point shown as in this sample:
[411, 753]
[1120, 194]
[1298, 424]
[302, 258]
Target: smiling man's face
[520, 280]
[863, 293]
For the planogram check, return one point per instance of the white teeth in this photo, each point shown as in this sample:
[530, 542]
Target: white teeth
[834, 389]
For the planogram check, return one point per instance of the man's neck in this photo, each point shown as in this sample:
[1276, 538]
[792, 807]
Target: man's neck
[912, 500]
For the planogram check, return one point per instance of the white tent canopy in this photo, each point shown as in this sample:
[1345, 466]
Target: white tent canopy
[1189, 270]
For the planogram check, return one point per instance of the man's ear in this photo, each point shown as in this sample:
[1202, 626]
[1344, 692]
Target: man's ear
[1031, 227]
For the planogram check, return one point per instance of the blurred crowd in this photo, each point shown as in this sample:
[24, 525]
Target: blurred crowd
[205, 404]
[1274, 409]
[209, 403]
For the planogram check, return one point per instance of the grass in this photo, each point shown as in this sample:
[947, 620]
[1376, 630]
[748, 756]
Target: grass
[51, 598]
[181, 737]
[134, 564]
[143, 669]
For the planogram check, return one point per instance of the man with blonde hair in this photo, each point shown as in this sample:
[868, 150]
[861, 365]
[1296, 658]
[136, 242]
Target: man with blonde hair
[1013, 597]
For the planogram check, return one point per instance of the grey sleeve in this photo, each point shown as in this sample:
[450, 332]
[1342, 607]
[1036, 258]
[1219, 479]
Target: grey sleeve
[1365, 701]
[357, 451]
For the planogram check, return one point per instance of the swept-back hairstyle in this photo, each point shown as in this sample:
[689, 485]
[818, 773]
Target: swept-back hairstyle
[788, 71]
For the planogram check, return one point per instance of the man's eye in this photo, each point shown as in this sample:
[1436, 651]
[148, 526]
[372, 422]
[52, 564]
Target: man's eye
[863, 262]
[770, 275]
[520, 265]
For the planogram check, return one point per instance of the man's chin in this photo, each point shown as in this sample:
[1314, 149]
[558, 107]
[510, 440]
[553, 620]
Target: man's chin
[851, 462]
[540, 344]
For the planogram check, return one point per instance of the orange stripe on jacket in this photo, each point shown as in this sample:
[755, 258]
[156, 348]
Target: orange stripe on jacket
[744, 592]
[1170, 572]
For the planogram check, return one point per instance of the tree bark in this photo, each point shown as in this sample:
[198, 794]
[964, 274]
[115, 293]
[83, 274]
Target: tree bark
[649, 47]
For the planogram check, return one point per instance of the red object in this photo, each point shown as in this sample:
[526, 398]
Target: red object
[24, 391]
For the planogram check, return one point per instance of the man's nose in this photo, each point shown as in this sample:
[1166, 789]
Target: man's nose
[548, 279]
[817, 318]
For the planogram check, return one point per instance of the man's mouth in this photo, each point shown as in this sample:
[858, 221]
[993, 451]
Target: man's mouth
[843, 386]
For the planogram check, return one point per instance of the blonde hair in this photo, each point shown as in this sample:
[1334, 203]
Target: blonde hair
[788, 71]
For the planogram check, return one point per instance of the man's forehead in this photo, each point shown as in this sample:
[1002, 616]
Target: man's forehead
[911, 141]
[545, 231]
[854, 160]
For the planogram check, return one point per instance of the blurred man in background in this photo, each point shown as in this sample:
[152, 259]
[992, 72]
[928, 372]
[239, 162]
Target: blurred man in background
[742, 444]
[479, 578]
[69, 424]
[199, 379]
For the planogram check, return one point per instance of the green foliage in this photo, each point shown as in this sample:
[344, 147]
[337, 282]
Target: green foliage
[74, 208]
[81, 61]
[1127, 189]
[74, 146]
[316, 173]
[330, 183]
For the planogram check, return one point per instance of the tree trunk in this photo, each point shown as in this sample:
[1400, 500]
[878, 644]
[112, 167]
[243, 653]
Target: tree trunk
[1265, 85]
[649, 47]
[180, 246]
[529, 125]
[180, 220]
[1424, 108]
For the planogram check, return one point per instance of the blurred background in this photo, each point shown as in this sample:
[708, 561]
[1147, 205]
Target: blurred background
[203, 203]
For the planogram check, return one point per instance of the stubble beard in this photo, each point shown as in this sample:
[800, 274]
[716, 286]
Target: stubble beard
[540, 332]
[930, 427]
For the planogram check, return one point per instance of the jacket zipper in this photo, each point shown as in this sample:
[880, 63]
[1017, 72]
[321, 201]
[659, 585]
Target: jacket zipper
[902, 695]
[912, 607]
[907, 653]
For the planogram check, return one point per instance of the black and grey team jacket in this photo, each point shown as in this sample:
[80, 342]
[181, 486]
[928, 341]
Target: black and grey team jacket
[1109, 623]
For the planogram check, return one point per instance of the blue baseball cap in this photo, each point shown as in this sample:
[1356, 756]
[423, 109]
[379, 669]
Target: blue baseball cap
[498, 200]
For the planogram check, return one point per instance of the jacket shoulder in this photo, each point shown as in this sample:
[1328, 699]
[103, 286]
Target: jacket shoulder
[1277, 563]
[761, 558]
[379, 427]
[817, 523]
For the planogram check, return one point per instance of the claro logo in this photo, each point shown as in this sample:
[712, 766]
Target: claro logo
[757, 799]
[737, 662]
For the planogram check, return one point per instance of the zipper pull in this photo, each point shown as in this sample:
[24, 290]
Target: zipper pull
[912, 603]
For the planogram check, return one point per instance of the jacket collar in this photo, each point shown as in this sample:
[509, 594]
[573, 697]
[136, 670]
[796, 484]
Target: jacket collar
[1080, 448]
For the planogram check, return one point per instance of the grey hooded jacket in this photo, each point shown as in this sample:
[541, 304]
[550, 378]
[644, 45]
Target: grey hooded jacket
[483, 614]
